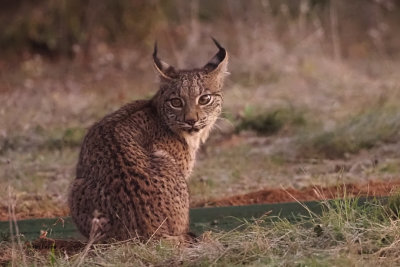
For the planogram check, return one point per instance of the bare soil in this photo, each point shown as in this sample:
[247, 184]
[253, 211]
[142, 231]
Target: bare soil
[278, 195]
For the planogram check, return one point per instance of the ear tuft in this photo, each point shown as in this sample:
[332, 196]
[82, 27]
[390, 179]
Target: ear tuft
[165, 70]
[219, 62]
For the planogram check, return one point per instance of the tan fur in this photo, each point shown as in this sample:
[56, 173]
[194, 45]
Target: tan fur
[134, 163]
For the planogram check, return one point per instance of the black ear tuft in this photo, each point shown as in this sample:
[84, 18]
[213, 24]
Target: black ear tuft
[165, 70]
[216, 43]
[155, 58]
[155, 50]
[219, 57]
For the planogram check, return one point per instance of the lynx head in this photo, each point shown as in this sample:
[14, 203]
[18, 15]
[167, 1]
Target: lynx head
[189, 101]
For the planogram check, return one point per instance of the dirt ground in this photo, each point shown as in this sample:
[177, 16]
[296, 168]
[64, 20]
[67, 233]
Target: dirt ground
[278, 195]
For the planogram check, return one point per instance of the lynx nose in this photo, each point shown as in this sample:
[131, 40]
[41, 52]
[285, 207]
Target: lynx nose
[191, 117]
[191, 122]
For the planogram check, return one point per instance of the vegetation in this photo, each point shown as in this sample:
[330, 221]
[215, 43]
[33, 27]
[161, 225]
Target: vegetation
[69, 28]
[345, 234]
[363, 131]
[268, 123]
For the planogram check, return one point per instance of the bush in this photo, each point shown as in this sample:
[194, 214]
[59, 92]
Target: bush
[364, 131]
[54, 27]
[270, 122]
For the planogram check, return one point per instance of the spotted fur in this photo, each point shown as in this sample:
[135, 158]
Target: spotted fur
[133, 167]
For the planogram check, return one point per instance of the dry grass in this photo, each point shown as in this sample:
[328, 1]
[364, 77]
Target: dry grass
[345, 234]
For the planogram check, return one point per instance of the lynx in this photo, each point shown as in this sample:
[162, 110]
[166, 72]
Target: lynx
[131, 177]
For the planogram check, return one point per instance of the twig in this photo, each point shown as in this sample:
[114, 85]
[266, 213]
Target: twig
[151, 237]
[95, 235]
[337, 51]
[302, 204]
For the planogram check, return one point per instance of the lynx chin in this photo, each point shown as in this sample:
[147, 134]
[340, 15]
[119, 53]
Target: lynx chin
[131, 177]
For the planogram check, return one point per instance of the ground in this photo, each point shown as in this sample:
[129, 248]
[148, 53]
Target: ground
[321, 123]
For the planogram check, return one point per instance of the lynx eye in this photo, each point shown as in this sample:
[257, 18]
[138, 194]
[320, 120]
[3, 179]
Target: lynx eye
[176, 103]
[204, 99]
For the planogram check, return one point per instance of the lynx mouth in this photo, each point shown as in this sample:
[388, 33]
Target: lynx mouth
[192, 130]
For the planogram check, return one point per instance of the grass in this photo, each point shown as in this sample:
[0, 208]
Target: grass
[44, 139]
[363, 131]
[344, 234]
[239, 168]
[269, 122]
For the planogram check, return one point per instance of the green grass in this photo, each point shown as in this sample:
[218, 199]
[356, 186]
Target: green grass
[269, 122]
[40, 138]
[346, 234]
[364, 131]
[38, 171]
[389, 167]
[233, 170]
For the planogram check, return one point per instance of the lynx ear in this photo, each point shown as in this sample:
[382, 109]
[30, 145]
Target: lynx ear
[164, 69]
[219, 63]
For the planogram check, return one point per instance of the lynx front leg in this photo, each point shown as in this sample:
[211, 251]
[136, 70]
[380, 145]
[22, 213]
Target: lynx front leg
[99, 227]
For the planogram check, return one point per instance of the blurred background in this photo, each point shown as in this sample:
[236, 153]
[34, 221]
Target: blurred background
[312, 98]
